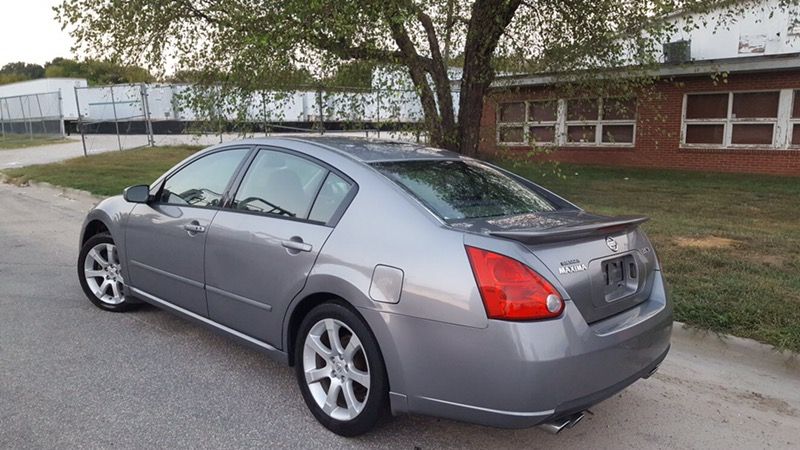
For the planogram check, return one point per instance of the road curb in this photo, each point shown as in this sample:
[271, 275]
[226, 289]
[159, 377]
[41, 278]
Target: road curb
[69, 193]
[744, 350]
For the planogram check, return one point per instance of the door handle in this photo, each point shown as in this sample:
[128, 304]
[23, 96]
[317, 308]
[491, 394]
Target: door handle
[194, 227]
[296, 244]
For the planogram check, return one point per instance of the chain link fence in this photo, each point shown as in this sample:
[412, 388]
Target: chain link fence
[31, 116]
[118, 110]
[146, 114]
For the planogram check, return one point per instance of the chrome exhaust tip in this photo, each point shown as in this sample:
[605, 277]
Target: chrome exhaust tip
[652, 372]
[557, 425]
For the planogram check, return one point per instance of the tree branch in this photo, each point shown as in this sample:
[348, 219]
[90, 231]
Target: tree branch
[418, 67]
[441, 80]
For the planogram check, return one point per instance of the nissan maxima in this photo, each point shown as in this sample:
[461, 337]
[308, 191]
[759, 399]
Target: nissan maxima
[392, 276]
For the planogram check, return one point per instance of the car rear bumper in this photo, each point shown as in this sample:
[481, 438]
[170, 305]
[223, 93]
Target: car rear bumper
[519, 374]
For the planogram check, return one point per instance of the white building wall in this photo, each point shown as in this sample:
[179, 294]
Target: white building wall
[763, 30]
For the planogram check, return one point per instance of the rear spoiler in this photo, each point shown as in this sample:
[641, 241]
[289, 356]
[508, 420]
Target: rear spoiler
[604, 226]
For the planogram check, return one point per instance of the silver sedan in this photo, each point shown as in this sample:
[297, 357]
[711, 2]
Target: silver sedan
[393, 277]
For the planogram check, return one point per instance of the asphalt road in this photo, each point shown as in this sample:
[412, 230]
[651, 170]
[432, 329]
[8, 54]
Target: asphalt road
[73, 376]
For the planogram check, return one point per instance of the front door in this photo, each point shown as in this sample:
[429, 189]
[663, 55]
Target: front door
[165, 239]
[260, 251]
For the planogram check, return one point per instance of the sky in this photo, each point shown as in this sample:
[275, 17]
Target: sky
[30, 33]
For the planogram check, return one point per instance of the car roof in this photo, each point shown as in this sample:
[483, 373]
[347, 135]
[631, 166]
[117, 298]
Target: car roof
[369, 150]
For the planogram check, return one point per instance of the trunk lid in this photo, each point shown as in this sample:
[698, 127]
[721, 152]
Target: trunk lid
[606, 264]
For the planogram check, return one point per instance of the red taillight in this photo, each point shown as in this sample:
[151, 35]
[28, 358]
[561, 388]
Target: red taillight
[511, 290]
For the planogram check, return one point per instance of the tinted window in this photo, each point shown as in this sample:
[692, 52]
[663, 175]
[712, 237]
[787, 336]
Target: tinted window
[330, 197]
[203, 181]
[464, 190]
[280, 183]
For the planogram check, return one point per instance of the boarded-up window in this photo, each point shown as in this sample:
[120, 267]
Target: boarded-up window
[753, 105]
[581, 133]
[795, 119]
[512, 134]
[618, 134]
[752, 134]
[619, 109]
[796, 106]
[707, 106]
[705, 134]
[512, 112]
[582, 109]
[542, 134]
[546, 111]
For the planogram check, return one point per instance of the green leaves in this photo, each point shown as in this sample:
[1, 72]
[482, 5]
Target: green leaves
[253, 45]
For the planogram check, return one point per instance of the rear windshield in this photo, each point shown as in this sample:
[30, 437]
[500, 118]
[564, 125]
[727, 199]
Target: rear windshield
[457, 190]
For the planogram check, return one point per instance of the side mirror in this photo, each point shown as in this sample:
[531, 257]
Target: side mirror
[137, 194]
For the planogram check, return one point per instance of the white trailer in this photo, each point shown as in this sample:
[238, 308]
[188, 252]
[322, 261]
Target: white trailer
[65, 86]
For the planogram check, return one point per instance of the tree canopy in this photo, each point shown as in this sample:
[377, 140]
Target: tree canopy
[250, 41]
[20, 71]
[96, 72]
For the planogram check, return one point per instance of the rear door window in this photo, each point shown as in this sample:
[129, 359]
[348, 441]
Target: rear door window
[331, 196]
[457, 190]
[281, 184]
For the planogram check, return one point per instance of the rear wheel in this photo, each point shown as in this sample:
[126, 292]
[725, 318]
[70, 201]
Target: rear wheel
[340, 370]
[100, 274]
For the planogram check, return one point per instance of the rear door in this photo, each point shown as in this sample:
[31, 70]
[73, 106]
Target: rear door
[261, 248]
[165, 239]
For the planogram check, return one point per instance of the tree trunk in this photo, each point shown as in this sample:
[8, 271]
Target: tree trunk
[488, 21]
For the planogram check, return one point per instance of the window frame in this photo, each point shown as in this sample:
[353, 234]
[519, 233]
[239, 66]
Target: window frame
[729, 122]
[793, 121]
[157, 189]
[561, 124]
[522, 124]
[598, 124]
[331, 223]
[542, 123]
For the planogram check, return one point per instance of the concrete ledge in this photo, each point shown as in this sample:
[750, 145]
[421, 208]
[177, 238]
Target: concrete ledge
[746, 351]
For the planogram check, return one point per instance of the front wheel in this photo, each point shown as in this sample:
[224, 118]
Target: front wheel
[340, 370]
[100, 274]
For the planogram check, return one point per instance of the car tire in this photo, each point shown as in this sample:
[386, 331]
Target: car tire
[321, 366]
[100, 274]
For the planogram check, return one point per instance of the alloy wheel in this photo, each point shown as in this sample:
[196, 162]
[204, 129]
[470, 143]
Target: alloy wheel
[336, 369]
[103, 273]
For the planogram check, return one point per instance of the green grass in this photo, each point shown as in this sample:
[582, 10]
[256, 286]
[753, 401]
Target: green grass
[106, 173]
[14, 141]
[729, 244]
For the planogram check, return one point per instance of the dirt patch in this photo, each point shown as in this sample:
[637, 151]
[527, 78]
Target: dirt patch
[705, 242]
[770, 260]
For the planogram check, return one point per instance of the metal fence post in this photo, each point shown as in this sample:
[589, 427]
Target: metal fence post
[41, 115]
[80, 121]
[378, 112]
[264, 111]
[2, 120]
[146, 110]
[321, 117]
[61, 115]
[116, 121]
[25, 121]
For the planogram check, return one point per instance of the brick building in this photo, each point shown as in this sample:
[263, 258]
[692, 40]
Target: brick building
[747, 120]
